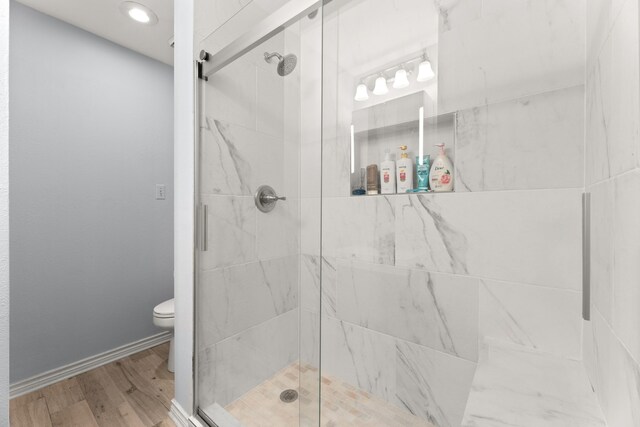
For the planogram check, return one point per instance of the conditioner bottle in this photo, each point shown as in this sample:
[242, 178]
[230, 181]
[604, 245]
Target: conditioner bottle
[387, 174]
[404, 171]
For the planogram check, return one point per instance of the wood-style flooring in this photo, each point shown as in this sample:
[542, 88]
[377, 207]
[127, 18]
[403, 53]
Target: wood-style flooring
[134, 391]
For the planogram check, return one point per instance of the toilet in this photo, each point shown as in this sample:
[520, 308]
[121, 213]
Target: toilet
[163, 317]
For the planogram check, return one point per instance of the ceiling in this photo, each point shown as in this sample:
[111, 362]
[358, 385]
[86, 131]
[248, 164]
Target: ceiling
[103, 18]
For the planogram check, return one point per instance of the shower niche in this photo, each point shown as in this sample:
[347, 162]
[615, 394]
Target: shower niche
[394, 123]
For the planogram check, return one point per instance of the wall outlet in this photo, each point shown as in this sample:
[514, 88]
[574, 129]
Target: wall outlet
[161, 192]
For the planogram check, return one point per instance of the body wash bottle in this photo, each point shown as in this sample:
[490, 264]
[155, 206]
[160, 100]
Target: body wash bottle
[441, 176]
[387, 174]
[404, 171]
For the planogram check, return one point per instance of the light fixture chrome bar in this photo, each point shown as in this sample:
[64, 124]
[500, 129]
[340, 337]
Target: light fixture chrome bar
[586, 256]
[264, 30]
[392, 69]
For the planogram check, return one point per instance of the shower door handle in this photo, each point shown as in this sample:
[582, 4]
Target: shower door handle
[204, 244]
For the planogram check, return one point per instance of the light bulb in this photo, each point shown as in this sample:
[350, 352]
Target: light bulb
[139, 15]
[362, 93]
[425, 72]
[400, 81]
[381, 86]
[138, 12]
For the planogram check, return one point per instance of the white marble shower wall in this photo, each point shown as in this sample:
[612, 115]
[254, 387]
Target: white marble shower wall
[612, 341]
[248, 295]
[413, 284]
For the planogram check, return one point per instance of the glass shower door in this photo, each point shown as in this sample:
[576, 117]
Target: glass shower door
[258, 294]
[458, 307]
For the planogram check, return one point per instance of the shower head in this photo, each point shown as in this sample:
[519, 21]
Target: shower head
[286, 64]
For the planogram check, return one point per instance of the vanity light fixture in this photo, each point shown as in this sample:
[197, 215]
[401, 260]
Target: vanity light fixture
[381, 86]
[362, 93]
[138, 12]
[425, 72]
[400, 81]
[401, 74]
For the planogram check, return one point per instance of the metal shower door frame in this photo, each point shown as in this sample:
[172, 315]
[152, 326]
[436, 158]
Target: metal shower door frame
[264, 30]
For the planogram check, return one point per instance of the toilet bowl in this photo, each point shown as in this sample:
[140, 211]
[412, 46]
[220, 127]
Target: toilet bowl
[163, 317]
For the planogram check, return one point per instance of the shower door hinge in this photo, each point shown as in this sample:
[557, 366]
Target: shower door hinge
[586, 256]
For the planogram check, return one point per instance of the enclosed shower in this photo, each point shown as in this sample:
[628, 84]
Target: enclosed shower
[325, 299]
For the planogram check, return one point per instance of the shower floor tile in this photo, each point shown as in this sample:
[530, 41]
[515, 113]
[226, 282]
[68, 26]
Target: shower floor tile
[342, 404]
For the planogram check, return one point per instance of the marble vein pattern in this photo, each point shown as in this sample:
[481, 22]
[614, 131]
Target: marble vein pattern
[236, 298]
[435, 310]
[231, 231]
[534, 236]
[616, 376]
[315, 293]
[359, 228]
[535, 142]
[237, 160]
[542, 318]
[613, 117]
[455, 13]
[517, 387]
[230, 368]
[432, 385]
[361, 357]
[472, 67]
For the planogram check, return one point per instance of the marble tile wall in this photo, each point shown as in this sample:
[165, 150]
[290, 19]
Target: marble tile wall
[479, 65]
[433, 276]
[428, 383]
[612, 343]
[527, 143]
[233, 366]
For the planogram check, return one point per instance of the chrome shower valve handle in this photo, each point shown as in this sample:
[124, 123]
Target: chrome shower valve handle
[266, 198]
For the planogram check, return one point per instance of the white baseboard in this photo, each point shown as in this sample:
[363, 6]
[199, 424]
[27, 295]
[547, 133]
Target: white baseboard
[53, 376]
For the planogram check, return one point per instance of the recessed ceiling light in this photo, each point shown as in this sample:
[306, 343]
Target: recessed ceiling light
[138, 12]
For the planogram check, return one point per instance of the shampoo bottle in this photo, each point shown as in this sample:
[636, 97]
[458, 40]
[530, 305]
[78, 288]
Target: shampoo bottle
[404, 171]
[387, 174]
[422, 173]
[441, 176]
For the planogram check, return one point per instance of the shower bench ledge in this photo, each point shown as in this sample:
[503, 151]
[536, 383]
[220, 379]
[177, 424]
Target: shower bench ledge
[520, 387]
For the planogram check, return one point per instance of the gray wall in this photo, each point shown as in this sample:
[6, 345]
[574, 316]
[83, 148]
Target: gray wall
[4, 210]
[91, 248]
